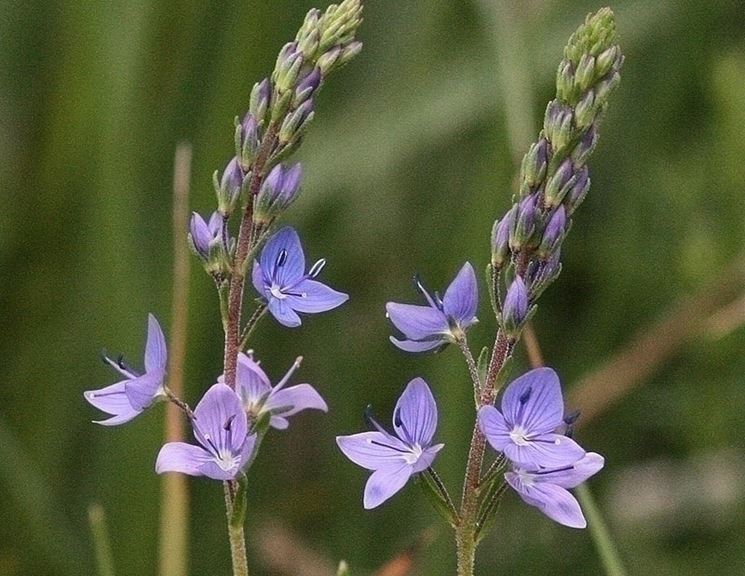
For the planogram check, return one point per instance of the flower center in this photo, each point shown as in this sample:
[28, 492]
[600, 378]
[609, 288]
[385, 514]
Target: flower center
[226, 460]
[413, 456]
[277, 292]
[519, 436]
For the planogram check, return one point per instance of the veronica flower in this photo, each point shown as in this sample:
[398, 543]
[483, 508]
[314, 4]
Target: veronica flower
[547, 489]
[127, 398]
[442, 320]
[280, 277]
[395, 457]
[221, 429]
[532, 409]
[259, 397]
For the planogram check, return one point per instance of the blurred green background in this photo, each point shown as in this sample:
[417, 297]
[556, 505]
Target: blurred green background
[409, 160]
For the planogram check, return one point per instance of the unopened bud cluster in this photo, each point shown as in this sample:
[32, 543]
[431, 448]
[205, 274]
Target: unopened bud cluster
[554, 175]
[280, 109]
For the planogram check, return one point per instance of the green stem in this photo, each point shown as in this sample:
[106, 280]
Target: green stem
[601, 537]
[252, 323]
[101, 543]
[472, 368]
[236, 534]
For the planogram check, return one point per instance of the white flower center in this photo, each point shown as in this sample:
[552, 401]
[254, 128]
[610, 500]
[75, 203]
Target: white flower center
[413, 456]
[519, 436]
[226, 460]
[277, 292]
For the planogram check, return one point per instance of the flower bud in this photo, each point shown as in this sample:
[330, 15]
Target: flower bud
[248, 140]
[524, 223]
[585, 74]
[206, 241]
[261, 95]
[306, 87]
[228, 190]
[585, 110]
[500, 239]
[309, 35]
[585, 146]
[606, 87]
[328, 60]
[579, 190]
[296, 122]
[558, 124]
[559, 183]
[515, 307]
[535, 163]
[565, 81]
[553, 234]
[287, 68]
[606, 60]
[278, 190]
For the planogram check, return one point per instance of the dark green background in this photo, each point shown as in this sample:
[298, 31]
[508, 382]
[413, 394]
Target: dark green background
[407, 164]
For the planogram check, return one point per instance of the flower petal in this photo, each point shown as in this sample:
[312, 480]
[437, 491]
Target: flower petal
[315, 297]
[415, 414]
[181, 457]
[494, 427]
[112, 400]
[384, 483]
[143, 391]
[252, 383]
[156, 355]
[574, 475]
[533, 402]
[283, 313]
[241, 456]
[373, 450]
[462, 297]
[415, 346]
[425, 460]
[292, 266]
[545, 451]
[220, 422]
[294, 399]
[257, 278]
[554, 501]
[417, 322]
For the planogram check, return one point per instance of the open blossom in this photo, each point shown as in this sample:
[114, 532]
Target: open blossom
[280, 277]
[395, 457]
[127, 398]
[221, 429]
[547, 489]
[532, 410]
[442, 320]
[259, 397]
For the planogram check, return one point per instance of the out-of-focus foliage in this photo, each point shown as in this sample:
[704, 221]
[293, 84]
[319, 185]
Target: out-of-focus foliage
[408, 163]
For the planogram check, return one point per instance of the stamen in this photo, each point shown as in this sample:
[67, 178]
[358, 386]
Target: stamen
[372, 422]
[281, 258]
[420, 287]
[389, 446]
[290, 372]
[315, 270]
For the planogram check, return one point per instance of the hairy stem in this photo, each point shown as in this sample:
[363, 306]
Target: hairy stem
[465, 534]
[244, 248]
[236, 534]
[472, 368]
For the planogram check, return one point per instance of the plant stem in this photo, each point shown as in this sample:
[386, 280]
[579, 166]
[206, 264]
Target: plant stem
[600, 535]
[472, 368]
[245, 246]
[174, 508]
[101, 544]
[236, 534]
[257, 315]
[465, 534]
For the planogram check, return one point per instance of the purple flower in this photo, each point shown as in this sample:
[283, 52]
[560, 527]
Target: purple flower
[127, 398]
[259, 397]
[279, 275]
[443, 320]
[205, 237]
[532, 409]
[221, 428]
[394, 458]
[547, 489]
